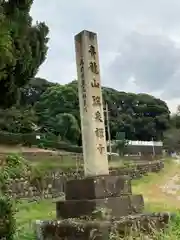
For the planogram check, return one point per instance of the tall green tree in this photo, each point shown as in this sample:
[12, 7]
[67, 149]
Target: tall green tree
[57, 99]
[66, 125]
[23, 48]
[6, 44]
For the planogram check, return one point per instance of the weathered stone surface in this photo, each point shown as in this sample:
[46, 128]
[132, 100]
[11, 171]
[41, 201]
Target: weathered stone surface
[91, 104]
[98, 187]
[73, 229]
[118, 206]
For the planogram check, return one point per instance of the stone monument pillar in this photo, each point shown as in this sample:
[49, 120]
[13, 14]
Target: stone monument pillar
[77, 215]
[97, 189]
[91, 105]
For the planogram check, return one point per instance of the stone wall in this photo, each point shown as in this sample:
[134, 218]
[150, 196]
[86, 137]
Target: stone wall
[52, 184]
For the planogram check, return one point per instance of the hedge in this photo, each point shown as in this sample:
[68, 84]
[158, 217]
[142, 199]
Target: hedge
[15, 138]
[60, 146]
[29, 139]
[7, 220]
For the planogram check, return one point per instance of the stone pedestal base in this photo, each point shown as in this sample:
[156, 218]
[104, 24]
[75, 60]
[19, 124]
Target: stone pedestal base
[116, 206]
[98, 187]
[111, 193]
[85, 208]
[73, 229]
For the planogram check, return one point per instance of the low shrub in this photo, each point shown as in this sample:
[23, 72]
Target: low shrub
[14, 167]
[7, 138]
[7, 220]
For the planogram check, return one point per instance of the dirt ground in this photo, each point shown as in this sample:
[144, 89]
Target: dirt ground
[163, 190]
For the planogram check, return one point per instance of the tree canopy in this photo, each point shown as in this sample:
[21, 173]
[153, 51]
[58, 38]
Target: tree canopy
[140, 116]
[26, 101]
[23, 48]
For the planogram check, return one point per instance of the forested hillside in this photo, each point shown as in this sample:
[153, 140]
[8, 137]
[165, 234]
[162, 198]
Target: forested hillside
[54, 108]
[30, 104]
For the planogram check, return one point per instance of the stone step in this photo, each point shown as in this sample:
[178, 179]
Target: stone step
[115, 206]
[98, 187]
[74, 229]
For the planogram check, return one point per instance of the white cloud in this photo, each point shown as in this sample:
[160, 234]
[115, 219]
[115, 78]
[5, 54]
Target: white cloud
[138, 40]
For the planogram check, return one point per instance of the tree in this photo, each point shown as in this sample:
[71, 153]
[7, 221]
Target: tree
[6, 46]
[18, 120]
[23, 48]
[57, 105]
[175, 119]
[172, 140]
[120, 146]
[31, 93]
[140, 116]
[120, 143]
[57, 99]
[66, 125]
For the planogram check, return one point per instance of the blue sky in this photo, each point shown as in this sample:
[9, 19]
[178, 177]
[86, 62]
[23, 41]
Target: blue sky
[139, 43]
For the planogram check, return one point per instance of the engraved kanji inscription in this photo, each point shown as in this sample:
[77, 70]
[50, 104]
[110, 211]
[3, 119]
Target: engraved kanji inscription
[101, 148]
[84, 100]
[95, 83]
[99, 132]
[92, 51]
[82, 69]
[82, 73]
[84, 95]
[98, 116]
[96, 100]
[94, 68]
[81, 65]
[81, 62]
[83, 82]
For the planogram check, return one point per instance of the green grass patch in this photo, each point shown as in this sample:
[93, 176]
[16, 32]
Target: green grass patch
[152, 178]
[28, 213]
[45, 209]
